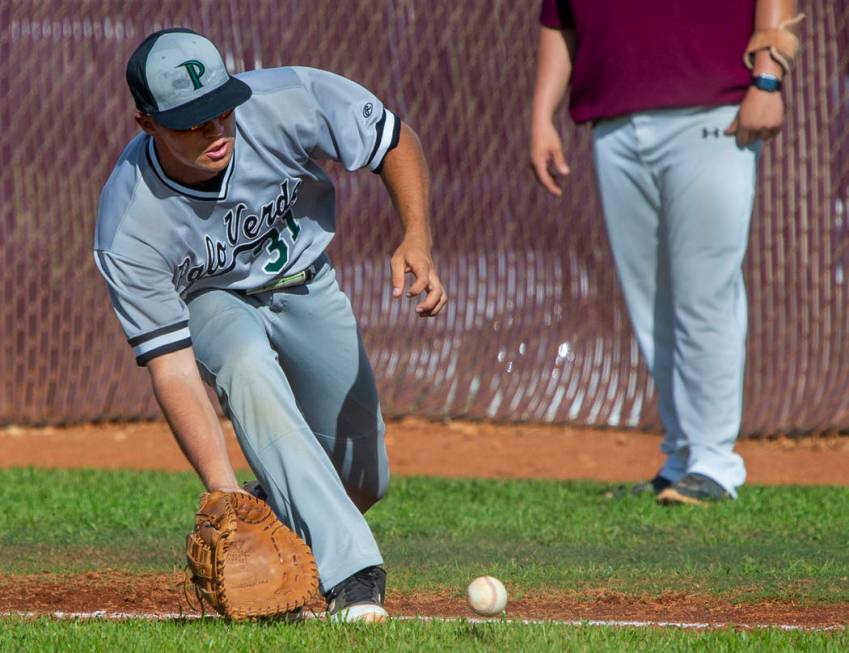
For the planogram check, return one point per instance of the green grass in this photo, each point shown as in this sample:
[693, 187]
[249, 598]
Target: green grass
[165, 636]
[776, 542]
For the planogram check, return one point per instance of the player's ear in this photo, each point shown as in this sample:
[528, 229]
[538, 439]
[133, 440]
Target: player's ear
[145, 122]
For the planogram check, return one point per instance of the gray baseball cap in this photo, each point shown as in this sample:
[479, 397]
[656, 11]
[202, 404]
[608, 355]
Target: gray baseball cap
[178, 78]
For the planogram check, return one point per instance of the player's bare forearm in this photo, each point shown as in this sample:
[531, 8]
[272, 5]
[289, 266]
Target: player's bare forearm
[182, 396]
[554, 67]
[769, 14]
[761, 114]
[407, 181]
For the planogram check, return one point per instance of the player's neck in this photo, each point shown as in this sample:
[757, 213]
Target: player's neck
[182, 173]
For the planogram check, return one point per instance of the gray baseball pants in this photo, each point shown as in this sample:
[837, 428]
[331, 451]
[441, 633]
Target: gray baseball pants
[677, 197]
[291, 373]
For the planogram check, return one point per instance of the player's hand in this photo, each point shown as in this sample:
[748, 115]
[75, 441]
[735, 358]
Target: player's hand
[227, 487]
[547, 156]
[413, 257]
[760, 117]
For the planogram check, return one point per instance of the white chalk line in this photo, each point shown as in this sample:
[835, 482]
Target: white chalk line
[616, 623]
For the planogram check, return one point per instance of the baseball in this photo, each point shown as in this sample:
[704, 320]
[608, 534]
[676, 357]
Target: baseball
[487, 596]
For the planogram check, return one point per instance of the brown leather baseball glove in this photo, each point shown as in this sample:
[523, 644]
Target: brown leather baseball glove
[244, 562]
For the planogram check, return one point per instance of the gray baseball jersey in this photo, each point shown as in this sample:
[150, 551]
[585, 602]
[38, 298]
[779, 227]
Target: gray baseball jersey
[158, 242]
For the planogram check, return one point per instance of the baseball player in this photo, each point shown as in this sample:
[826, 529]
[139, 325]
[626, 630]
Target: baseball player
[211, 236]
[678, 124]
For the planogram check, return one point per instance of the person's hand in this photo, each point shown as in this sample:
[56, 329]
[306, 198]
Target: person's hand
[227, 487]
[547, 156]
[760, 117]
[413, 256]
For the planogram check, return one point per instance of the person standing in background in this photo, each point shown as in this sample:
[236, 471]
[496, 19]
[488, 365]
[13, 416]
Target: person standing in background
[681, 97]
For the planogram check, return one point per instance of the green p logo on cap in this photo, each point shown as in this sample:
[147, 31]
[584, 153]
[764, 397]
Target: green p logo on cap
[178, 78]
[195, 69]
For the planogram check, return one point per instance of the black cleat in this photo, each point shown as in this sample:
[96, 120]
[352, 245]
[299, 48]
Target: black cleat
[359, 597]
[693, 490]
[653, 486]
[656, 485]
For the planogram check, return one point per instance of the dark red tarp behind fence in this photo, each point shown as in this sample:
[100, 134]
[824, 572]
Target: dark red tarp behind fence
[536, 329]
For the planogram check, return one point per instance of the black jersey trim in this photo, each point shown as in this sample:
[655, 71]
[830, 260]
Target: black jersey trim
[193, 193]
[379, 129]
[396, 136]
[146, 357]
[150, 335]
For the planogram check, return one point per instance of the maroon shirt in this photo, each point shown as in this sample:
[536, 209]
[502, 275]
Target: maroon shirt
[637, 55]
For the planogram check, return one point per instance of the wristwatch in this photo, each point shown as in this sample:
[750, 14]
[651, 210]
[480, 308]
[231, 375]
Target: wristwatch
[766, 82]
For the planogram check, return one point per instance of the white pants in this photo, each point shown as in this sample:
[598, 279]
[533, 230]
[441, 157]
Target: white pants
[677, 197]
[291, 373]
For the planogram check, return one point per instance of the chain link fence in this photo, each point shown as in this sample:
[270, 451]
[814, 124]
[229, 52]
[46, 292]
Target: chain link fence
[536, 330]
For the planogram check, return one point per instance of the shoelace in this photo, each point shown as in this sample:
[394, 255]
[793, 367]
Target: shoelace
[359, 588]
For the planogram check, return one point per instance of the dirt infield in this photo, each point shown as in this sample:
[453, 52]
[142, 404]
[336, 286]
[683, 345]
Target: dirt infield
[162, 594]
[455, 449]
[452, 449]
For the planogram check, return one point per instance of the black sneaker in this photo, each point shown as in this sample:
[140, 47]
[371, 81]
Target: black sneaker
[693, 490]
[359, 597]
[655, 486]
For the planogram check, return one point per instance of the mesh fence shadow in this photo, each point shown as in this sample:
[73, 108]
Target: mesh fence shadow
[536, 330]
